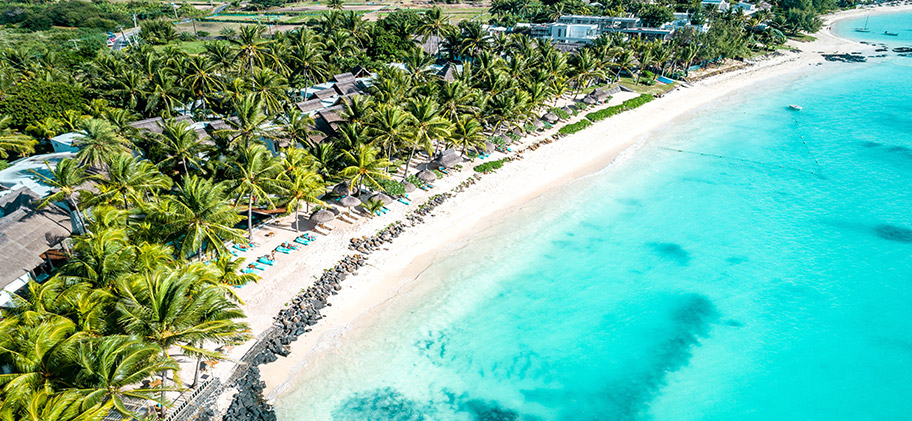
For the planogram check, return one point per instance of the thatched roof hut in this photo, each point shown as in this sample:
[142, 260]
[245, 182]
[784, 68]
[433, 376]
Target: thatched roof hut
[27, 232]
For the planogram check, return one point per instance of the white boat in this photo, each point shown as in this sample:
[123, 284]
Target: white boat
[864, 28]
[795, 107]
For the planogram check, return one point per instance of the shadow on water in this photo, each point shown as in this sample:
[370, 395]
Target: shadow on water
[893, 233]
[893, 150]
[628, 397]
[671, 251]
[382, 404]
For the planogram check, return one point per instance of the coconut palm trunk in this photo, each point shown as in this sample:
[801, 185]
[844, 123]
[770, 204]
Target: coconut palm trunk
[408, 163]
[250, 217]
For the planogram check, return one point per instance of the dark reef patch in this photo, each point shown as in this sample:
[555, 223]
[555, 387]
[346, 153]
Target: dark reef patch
[893, 233]
[627, 397]
[736, 260]
[489, 411]
[671, 251]
[381, 404]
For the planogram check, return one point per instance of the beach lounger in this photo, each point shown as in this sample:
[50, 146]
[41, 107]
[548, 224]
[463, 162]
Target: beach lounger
[328, 226]
[258, 266]
[403, 201]
[300, 240]
[247, 270]
[289, 246]
[307, 236]
[266, 261]
[239, 248]
[321, 230]
[281, 249]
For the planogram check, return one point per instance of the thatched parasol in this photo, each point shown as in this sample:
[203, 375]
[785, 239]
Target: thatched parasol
[409, 187]
[489, 147]
[567, 110]
[449, 160]
[382, 197]
[589, 100]
[341, 189]
[551, 117]
[538, 124]
[426, 176]
[349, 201]
[322, 216]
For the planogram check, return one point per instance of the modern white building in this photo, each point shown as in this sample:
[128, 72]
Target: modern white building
[582, 29]
[720, 5]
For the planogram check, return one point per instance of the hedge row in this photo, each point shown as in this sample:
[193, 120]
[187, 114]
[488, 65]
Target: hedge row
[617, 109]
[490, 166]
[575, 127]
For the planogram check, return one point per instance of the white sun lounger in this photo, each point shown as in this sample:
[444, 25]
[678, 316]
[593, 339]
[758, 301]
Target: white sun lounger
[321, 230]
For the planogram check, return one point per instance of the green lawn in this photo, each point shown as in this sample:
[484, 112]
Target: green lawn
[656, 89]
[190, 47]
[801, 37]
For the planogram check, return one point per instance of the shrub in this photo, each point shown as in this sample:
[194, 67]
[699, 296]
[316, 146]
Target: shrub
[34, 100]
[617, 109]
[528, 128]
[575, 127]
[560, 113]
[392, 187]
[580, 106]
[186, 36]
[202, 34]
[411, 178]
[498, 141]
[490, 166]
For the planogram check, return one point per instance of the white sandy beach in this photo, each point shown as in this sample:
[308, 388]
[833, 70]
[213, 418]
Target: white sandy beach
[493, 197]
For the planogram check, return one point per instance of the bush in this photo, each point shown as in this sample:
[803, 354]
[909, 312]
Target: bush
[392, 187]
[580, 106]
[560, 113]
[617, 109]
[34, 100]
[186, 36]
[575, 127]
[202, 34]
[411, 178]
[490, 166]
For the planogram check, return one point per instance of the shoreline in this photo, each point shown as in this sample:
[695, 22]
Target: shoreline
[397, 265]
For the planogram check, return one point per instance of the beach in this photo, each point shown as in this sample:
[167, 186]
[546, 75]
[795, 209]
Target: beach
[494, 197]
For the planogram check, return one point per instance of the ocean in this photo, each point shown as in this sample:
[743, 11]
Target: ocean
[747, 262]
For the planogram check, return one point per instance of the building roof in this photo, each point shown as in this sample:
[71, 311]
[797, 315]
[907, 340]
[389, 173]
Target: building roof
[360, 71]
[343, 77]
[26, 232]
[154, 124]
[447, 73]
[18, 173]
[326, 93]
[310, 105]
[347, 88]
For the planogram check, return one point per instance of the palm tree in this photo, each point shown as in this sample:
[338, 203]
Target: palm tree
[372, 206]
[334, 4]
[201, 79]
[98, 142]
[11, 141]
[466, 132]
[427, 126]
[585, 68]
[35, 347]
[252, 49]
[65, 180]
[181, 143]
[269, 87]
[111, 369]
[129, 180]
[100, 258]
[306, 58]
[364, 166]
[253, 176]
[45, 128]
[390, 127]
[300, 186]
[296, 127]
[457, 98]
[435, 24]
[251, 124]
[171, 307]
[200, 215]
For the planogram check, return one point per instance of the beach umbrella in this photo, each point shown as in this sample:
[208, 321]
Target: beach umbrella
[349, 202]
[426, 176]
[538, 124]
[382, 197]
[449, 160]
[567, 110]
[341, 189]
[489, 147]
[322, 216]
[409, 187]
[589, 100]
[517, 131]
[550, 117]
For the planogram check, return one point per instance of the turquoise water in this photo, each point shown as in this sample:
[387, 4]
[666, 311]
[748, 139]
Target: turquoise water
[897, 23]
[764, 273]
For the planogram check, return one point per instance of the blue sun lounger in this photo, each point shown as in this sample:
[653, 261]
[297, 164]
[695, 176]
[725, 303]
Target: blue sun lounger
[281, 249]
[300, 240]
[266, 261]
[247, 270]
[403, 201]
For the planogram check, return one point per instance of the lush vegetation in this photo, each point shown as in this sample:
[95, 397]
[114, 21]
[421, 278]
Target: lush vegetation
[575, 127]
[617, 109]
[490, 166]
